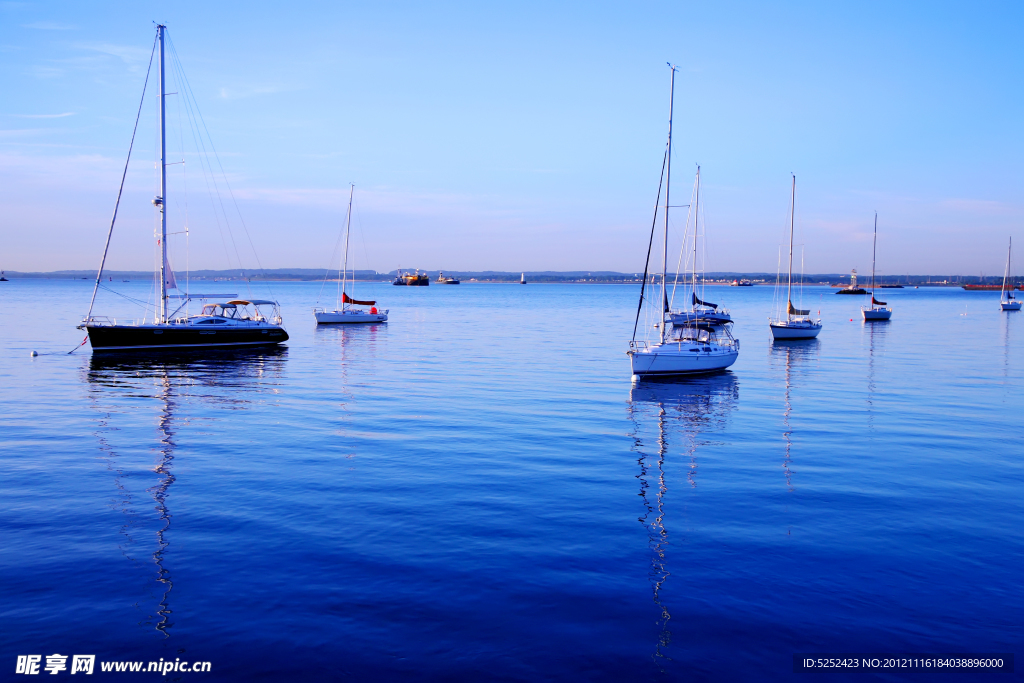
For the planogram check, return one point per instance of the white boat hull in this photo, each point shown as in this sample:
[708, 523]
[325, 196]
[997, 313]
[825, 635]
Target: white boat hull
[1010, 305]
[675, 358]
[350, 316]
[876, 313]
[795, 329]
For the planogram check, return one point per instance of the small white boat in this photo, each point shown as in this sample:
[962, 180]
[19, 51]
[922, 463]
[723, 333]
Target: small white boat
[1007, 301]
[876, 310]
[344, 313]
[797, 323]
[694, 341]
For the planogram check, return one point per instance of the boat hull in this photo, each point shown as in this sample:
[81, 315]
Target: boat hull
[349, 317]
[876, 313]
[153, 337]
[1010, 305]
[795, 331]
[680, 359]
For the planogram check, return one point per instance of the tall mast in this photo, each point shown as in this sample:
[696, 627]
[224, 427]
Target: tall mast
[668, 185]
[161, 200]
[789, 287]
[696, 222]
[1006, 274]
[348, 226]
[874, 250]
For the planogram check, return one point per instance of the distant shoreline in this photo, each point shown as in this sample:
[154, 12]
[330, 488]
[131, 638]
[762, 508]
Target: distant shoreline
[502, 277]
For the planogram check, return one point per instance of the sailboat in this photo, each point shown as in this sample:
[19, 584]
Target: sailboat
[877, 310]
[797, 323]
[1006, 299]
[233, 323]
[343, 313]
[699, 342]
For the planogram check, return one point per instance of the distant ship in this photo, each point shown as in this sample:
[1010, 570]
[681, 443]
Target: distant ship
[741, 283]
[2, 278]
[412, 280]
[983, 288]
[442, 280]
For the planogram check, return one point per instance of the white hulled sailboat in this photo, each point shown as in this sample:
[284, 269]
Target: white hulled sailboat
[689, 342]
[797, 324]
[343, 312]
[1007, 302]
[877, 309]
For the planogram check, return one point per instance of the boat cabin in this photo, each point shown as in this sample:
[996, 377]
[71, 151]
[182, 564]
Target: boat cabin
[237, 311]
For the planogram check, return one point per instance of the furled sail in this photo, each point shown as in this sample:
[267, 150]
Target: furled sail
[796, 311]
[349, 300]
[876, 302]
[169, 274]
[697, 301]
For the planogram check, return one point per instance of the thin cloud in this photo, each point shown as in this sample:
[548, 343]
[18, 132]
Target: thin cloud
[237, 94]
[44, 116]
[49, 26]
[129, 54]
[980, 206]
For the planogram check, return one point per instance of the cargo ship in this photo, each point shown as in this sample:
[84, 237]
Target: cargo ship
[412, 280]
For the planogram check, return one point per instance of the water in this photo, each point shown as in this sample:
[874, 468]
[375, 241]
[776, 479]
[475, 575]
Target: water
[476, 491]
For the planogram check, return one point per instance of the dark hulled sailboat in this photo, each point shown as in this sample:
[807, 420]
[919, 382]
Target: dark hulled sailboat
[232, 323]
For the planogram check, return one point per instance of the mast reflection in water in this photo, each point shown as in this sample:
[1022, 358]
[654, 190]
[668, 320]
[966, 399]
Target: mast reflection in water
[120, 386]
[794, 357]
[672, 418]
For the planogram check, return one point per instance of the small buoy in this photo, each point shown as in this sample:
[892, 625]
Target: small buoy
[851, 320]
[34, 354]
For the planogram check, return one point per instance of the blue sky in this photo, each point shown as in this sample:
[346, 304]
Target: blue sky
[522, 136]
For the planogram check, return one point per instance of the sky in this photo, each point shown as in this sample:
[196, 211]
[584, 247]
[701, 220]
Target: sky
[519, 136]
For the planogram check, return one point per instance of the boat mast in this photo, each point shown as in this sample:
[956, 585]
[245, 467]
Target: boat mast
[161, 200]
[874, 249]
[789, 287]
[668, 185]
[696, 222]
[1006, 274]
[348, 227]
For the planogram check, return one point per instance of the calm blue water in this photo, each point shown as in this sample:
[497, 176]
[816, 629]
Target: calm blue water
[476, 491]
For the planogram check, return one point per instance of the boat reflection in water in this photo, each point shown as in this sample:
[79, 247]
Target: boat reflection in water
[123, 386]
[672, 418]
[793, 359]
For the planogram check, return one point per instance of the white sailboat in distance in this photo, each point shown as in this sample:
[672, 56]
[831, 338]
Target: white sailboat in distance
[702, 343]
[1007, 302]
[343, 312]
[877, 310]
[797, 324]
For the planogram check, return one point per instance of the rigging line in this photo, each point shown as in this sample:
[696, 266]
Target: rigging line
[139, 302]
[230, 191]
[327, 271]
[650, 244]
[120, 189]
[209, 174]
[184, 188]
[207, 169]
[682, 247]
